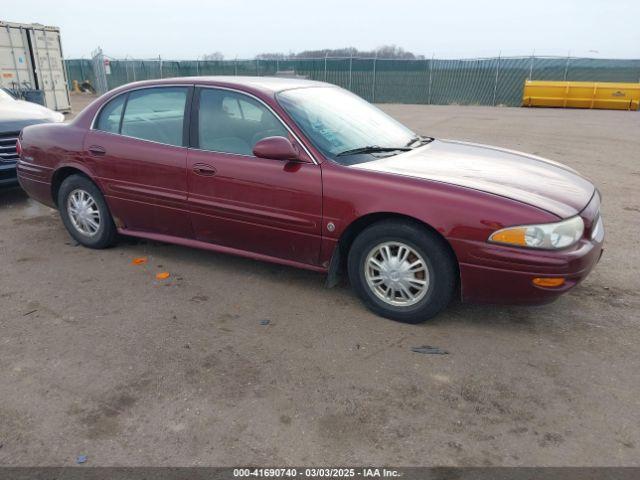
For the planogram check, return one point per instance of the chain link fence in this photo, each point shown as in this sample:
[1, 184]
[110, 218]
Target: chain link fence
[481, 81]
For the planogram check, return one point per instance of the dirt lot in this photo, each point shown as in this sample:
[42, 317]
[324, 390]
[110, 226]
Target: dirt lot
[99, 358]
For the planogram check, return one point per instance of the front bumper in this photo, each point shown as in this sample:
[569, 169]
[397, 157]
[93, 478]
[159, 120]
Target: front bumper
[499, 274]
[493, 273]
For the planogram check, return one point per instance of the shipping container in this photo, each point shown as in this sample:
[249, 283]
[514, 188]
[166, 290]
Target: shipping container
[31, 59]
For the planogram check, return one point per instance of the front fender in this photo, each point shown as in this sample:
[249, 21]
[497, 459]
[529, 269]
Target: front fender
[453, 211]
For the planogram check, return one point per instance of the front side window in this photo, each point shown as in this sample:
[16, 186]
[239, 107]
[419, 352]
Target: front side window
[231, 122]
[337, 121]
[155, 114]
[231, 107]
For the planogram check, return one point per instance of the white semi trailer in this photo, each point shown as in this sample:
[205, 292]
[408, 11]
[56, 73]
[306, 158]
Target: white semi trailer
[31, 59]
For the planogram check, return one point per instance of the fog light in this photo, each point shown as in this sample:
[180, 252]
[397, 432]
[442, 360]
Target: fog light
[548, 282]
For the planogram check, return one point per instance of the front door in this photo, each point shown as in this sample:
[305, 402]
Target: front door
[238, 200]
[137, 151]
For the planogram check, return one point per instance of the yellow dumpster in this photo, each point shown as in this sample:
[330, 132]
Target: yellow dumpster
[609, 95]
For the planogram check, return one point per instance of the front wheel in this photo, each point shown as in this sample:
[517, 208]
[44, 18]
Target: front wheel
[402, 271]
[85, 213]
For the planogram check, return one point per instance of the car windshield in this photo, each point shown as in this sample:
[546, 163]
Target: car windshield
[5, 95]
[343, 126]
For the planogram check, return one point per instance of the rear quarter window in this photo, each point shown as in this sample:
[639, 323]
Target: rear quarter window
[109, 118]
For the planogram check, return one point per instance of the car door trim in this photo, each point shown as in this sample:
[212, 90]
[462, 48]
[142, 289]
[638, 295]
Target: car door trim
[162, 193]
[247, 214]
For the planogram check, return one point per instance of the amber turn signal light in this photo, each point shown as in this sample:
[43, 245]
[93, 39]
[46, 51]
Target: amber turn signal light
[548, 282]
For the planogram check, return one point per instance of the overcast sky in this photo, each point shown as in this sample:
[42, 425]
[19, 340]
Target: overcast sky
[188, 29]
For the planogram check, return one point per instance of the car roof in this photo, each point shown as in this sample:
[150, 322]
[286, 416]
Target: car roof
[267, 85]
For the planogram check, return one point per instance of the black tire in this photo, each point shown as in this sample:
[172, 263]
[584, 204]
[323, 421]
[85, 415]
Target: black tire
[106, 233]
[440, 263]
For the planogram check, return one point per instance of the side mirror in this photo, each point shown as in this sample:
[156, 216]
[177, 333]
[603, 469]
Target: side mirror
[275, 148]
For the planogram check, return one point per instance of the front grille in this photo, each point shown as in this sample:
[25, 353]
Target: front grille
[8, 151]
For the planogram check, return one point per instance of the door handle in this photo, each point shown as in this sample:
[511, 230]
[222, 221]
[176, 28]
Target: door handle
[204, 170]
[96, 150]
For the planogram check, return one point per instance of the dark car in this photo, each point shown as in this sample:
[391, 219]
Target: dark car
[14, 116]
[307, 174]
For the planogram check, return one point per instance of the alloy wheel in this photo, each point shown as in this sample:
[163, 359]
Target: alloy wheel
[397, 274]
[83, 212]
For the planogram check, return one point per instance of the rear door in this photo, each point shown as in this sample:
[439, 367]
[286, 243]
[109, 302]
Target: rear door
[137, 150]
[237, 200]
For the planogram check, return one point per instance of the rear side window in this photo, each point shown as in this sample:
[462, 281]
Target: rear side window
[155, 114]
[109, 119]
[231, 122]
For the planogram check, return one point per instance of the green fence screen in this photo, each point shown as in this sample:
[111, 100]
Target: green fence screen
[486, 81]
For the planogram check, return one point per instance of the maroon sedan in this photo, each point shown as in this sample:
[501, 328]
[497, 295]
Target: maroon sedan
[306, 174]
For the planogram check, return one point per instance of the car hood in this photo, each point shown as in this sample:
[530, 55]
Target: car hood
[16, 114]
[536, 181]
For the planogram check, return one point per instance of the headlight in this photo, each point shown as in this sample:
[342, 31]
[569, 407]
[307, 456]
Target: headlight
[598, 231]
[545, 236]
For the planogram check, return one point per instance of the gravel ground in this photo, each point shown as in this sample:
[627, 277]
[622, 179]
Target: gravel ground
[99, 358]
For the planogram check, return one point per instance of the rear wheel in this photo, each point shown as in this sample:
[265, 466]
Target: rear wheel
[402, 271]
[84, 212]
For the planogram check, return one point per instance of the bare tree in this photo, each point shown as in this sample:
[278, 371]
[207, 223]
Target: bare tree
[274, 56]
[213, 56]
[385, 51]
[393, 51]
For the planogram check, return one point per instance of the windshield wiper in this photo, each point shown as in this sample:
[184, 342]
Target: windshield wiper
[371, 149]
[422, 140]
